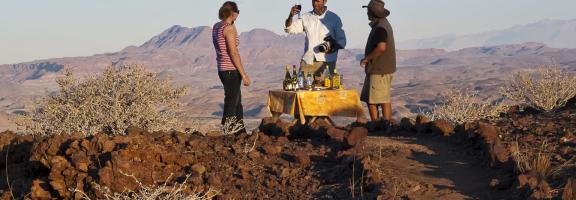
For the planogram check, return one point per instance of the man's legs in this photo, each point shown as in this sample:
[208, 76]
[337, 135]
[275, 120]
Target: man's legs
[380, 95]
[375, 114]
[387, 111]
[387, 104]
[331, 66]
[373, 110]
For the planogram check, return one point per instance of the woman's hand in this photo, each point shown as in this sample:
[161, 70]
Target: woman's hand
[246, 80]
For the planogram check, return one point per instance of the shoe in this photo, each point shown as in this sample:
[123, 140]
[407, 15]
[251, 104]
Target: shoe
[388, 126]
[373, 126]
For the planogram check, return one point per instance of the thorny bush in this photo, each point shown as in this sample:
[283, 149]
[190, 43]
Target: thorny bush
[547, 88]
[459, 106]
[121, 97]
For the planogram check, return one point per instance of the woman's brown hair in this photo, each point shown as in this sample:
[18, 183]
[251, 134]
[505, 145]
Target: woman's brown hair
[227, 9]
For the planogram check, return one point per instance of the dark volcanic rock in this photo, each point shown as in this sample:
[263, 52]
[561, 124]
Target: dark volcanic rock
[356, 136]
[442, 127]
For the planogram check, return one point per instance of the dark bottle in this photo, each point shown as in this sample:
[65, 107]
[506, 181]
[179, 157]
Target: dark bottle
[294, 78]
[287, 79]
[299, 7]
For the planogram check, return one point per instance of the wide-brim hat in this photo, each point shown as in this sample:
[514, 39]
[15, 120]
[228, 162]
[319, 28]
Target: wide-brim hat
[376, 8]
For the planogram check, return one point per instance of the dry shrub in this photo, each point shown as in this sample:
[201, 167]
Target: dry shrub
[539, 164]
[547, 88]
[528, 161]
[121, 97]
[537, 167]
[231, 126]
[459, 106]
[162, 192]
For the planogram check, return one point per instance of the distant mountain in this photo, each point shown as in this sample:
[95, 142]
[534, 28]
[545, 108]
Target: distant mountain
[555, 33]
[187, 56]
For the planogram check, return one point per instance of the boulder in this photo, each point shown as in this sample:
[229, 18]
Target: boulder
[408, 124]
[442, 127]
[336, 134]
[422, 124]
[356, 136]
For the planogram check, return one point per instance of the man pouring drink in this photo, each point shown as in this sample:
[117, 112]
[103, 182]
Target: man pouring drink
[324, 37]
[326, 97]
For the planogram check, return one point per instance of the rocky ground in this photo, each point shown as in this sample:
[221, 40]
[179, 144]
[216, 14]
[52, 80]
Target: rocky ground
[526, 154]
[256, 166]
[542, 146]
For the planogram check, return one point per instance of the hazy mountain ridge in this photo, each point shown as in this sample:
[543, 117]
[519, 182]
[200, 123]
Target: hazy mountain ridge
[187, 55]
[555, 33]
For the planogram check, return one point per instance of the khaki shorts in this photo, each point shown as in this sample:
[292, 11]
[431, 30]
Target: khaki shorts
[377, 89]
[317, 68]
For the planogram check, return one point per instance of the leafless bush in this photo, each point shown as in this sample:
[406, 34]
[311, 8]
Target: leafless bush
[248, 148]
[162, 192]
[121, 97]
[460, 106]
[231, 126]
[547, 88]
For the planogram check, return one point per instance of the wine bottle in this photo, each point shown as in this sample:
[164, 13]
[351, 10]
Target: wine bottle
[335, 80]
[301, 80]
[287, 79]
[294, 78]
[341, 81]
[309, 81]
[327, 77]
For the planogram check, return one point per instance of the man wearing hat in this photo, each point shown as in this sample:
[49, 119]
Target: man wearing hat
[379, 63]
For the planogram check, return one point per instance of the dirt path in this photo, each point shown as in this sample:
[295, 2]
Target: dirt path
[430, 168]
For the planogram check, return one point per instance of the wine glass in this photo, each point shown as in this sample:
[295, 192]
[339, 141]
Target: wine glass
[299, 7]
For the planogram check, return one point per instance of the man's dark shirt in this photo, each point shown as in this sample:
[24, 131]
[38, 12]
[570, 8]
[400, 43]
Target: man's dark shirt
[380, 35]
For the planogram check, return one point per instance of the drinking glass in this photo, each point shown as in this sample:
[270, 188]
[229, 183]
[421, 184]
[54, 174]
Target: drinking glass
[299, 6]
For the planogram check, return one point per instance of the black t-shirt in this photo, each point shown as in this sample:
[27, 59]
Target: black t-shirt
[380, 35]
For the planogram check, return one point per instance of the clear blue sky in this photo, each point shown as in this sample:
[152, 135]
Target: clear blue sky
[38, 29]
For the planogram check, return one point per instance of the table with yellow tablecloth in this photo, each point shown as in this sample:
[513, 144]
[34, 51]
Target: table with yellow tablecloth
[322, 103]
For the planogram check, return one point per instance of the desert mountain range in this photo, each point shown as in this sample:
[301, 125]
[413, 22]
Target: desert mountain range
[187, 56]
[555, 33]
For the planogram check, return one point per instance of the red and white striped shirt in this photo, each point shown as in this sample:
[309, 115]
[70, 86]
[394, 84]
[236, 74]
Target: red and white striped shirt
[223, 58]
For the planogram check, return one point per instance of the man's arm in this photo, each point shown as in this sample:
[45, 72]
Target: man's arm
[378, 51]
[380, 37]
[339, 34]
[291, 27]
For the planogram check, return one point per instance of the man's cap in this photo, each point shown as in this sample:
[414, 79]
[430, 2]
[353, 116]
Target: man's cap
[376, 8]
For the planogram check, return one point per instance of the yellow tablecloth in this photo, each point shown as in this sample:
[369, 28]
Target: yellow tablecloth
[326, 103]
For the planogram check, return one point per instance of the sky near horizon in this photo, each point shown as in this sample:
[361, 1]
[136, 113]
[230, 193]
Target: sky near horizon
[40, 29]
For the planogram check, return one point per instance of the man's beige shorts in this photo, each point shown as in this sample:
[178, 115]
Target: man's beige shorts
[377, 89]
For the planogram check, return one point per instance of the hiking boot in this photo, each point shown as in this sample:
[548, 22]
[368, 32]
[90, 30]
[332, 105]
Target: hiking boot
[389, 126]
[373, 126]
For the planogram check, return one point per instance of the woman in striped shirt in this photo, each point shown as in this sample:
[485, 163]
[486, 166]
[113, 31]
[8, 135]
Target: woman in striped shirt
[230, 68]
